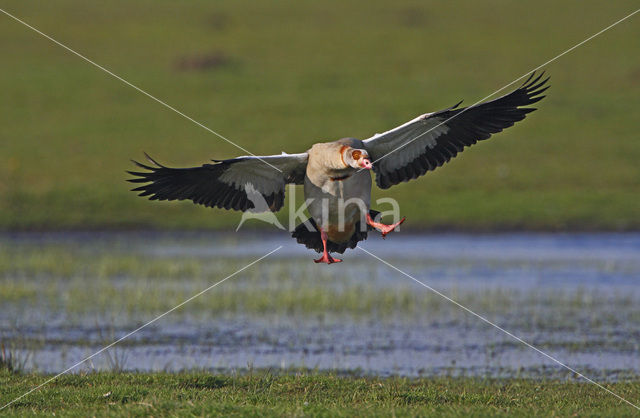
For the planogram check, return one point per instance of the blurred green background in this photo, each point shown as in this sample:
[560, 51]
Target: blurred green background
[276, 76]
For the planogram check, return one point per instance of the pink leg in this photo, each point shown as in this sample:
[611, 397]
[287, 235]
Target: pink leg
[326, 257]
[384, 229]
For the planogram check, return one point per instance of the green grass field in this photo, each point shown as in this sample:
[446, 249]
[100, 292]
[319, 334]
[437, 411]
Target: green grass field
[281, 75]
[263, 393]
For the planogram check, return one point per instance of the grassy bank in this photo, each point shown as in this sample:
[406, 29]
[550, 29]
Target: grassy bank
[279, 76]
[307, 394]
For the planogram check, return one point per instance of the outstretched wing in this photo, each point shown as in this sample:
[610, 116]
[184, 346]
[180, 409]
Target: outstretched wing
[428, 141]
[241, 183]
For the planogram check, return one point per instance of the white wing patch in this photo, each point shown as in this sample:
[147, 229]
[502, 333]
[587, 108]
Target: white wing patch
[401, 149]
[255, 172]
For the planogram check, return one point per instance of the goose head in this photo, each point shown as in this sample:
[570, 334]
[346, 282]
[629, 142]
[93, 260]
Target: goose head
[356, 158]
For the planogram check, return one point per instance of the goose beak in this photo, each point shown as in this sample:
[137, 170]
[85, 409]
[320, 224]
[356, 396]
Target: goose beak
[366, 164]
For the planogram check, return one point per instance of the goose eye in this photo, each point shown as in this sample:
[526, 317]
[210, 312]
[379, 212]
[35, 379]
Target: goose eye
[356, 155]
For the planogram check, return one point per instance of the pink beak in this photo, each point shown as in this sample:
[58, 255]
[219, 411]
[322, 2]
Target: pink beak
[366, 163]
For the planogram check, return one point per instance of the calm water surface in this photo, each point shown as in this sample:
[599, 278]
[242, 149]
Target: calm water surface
[576, 296]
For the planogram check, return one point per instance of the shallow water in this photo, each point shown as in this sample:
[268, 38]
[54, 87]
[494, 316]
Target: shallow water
[574, 296]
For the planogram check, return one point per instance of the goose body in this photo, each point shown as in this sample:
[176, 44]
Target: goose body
[339, 195]
[337, 175]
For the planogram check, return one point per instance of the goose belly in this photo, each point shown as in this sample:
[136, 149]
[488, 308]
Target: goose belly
[337, 206]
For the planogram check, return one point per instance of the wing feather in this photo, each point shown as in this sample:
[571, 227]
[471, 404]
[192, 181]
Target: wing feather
[432, 139]
[225, 183]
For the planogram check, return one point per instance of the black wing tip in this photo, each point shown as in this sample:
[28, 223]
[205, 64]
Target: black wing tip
[529, 78]
[146, 167]
[143, 177]
[532, 84]
[533, 87]
[151, 160]
[138, 177]
[455, 106]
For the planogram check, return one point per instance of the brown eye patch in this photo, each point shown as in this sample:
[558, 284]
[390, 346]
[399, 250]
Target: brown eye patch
[356, 155]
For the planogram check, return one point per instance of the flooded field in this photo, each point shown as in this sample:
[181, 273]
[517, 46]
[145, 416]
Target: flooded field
[63, 296]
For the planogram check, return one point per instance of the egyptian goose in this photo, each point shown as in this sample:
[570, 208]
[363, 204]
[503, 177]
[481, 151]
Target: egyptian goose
[335, 173]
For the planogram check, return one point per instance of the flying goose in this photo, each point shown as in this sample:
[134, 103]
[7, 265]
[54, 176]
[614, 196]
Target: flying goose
[335, 173]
